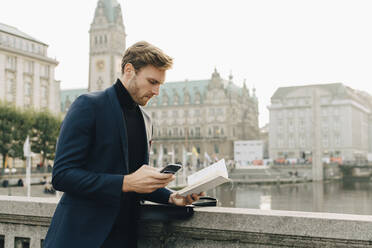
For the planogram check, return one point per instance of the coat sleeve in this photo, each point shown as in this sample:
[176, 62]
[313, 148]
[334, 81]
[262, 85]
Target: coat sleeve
[69, 171]
[159, 196]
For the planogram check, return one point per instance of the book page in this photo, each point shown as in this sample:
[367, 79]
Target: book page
[218, 168]
[204, 185]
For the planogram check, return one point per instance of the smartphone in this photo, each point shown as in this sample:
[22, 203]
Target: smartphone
[171, 168]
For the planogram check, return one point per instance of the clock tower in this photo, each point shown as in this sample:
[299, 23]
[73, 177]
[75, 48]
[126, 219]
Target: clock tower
[107, 45]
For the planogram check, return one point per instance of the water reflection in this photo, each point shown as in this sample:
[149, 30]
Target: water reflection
[336, 197]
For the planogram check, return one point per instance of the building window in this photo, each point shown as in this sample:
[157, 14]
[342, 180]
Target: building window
[325, 141]
[216, 130]
[197, 98]
[10, 86]
[165, 100]
[280, 143]
[28, 67]
[211, 111]
[216, 149]
[11, 63]
[21, 242]
[44, 93]
[44, 71]
[176, 100]
[302, 141]
[337, 140]
[28, 87]
[175, 131]
[186, 113]
[175, 113]
[187, 99]
[197, 131]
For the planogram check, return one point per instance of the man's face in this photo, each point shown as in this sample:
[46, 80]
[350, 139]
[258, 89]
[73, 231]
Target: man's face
[144, 84]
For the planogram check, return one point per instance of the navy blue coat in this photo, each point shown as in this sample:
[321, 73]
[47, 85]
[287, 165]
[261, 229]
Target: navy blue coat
[91, 159]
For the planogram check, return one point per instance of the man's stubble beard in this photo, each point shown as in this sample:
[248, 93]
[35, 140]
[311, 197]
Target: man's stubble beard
[133, 90]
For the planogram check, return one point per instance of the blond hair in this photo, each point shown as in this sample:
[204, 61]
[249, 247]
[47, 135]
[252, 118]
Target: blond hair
[142, 54]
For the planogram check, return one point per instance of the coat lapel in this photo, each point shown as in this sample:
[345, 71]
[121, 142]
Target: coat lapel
[120, 124]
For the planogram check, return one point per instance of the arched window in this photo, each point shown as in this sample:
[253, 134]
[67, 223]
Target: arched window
[176, 100]
[165, 100]
[197, 98]
[187, 98]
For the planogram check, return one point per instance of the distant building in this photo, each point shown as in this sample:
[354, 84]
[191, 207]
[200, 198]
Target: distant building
[344, 122]
[106, 49]
[203, 117]
[26, 72]
[107, 45]
[248, 152]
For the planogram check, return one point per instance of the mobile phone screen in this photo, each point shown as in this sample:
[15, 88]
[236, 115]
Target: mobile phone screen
[171, 168]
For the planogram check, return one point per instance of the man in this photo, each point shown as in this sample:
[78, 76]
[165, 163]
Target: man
[102, 156]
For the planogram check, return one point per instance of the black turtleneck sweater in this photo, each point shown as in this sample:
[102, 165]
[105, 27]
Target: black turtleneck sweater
[126, 222]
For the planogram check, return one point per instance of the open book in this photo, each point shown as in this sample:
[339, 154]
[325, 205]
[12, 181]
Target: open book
[205, 179]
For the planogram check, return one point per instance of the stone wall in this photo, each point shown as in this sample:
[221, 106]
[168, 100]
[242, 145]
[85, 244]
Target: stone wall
[209, 227]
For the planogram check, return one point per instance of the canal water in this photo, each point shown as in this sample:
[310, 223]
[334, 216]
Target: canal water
[333, 197]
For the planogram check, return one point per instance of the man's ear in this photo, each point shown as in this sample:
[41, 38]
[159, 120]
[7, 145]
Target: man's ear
[129, 69]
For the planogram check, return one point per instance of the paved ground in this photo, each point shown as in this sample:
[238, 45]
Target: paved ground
[36, 190]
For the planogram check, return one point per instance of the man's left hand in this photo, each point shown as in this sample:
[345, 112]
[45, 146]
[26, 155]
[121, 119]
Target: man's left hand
[179, 200]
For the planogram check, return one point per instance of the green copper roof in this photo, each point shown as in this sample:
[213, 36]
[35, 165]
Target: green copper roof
[69, 96]
[192, 88]
[110, 9]
[180, 89]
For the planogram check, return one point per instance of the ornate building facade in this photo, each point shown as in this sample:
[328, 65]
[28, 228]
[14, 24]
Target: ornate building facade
[107, 45]
[26, 72]
[203, 118]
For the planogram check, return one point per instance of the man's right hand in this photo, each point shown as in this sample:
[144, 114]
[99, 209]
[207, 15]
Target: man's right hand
[146, 180]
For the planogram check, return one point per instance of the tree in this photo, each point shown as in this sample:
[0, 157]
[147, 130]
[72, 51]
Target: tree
[7, 116]
[14, 127]
[45, 130]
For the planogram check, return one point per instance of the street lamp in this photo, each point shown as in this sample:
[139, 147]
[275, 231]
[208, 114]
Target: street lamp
[11, 153]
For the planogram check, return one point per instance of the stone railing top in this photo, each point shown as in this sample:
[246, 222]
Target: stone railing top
[232, 220]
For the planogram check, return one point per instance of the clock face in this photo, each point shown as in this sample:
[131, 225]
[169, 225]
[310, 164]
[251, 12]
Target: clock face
[100, 65]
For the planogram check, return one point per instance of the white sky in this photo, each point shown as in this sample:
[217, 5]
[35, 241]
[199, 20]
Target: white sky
[271, 43]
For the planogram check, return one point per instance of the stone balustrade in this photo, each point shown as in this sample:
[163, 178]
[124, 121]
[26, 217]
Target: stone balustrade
[26, 221]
